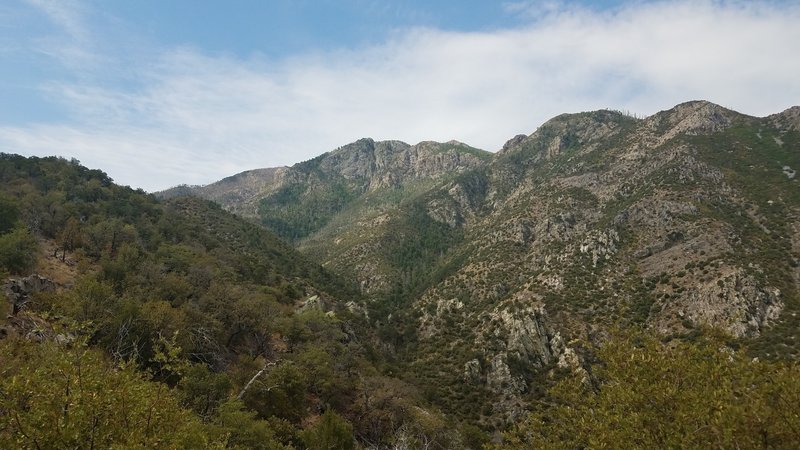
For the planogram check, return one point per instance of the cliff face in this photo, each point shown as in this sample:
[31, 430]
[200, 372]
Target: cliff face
[485, 271]
[391, 164]
[326, 185]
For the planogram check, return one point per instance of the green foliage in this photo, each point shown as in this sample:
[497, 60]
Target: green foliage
[240, 429]
[281, 393]
[70, 397]
[646, 394]
[295, 211]
[203, 390]
[18, 250]
[185, 294]
[9, 213]
[332, 431]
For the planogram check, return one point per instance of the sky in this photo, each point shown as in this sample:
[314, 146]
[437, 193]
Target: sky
[164, 92]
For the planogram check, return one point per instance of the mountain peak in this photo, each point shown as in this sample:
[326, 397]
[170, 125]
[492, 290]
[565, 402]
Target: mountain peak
[788, 119]
[567, 130]
[693, 117]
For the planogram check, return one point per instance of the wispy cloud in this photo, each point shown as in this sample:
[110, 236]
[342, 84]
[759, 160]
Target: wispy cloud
[68, 15]
[71, 43]
[195, 118]
[534, 9]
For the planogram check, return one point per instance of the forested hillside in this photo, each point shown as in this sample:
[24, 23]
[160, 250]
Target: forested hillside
[485, 281]
[607, 281]
[136, 323]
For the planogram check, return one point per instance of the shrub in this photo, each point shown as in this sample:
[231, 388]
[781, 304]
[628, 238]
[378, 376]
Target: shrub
[18, 251]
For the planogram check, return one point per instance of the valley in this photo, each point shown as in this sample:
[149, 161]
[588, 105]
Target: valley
[431, 295]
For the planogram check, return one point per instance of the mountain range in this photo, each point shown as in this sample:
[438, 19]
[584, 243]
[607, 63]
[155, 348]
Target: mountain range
[607, 280]
[477, 266]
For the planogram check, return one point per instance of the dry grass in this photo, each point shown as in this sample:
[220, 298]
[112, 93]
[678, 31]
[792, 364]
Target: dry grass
[63, 273]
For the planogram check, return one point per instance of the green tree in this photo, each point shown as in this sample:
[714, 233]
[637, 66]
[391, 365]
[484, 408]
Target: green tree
[332, 432]
[646, 394]
[203, 390]
[240, 428]
[18, 251]
[281, 393]
[9, 213]
[69, 238]
[52, 396]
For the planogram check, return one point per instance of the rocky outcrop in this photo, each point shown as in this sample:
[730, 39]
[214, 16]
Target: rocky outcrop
[735, 302]
[472, 372]
[18, 291]
[600, 245]
[387, 164]
[528, 336]
[499, 378]
[788, 119]
[690, 118]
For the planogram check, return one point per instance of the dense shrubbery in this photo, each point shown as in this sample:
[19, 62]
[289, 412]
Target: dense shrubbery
[198, 315]
[57, 396]
[647, 394]
[187, 308]
[18, 250]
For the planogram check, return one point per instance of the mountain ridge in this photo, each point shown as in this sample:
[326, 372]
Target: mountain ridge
[674, 222]
[431, 292]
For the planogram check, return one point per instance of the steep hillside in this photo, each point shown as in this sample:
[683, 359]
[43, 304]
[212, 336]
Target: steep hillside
[681, 220]
[481, 271]
[298, 201]
[426, 278]
[120, 310]
[359, 209]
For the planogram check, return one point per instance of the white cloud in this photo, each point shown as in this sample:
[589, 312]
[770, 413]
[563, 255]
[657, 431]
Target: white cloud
[534, 9]
[68, 15]
[195, 118]
[72, 45]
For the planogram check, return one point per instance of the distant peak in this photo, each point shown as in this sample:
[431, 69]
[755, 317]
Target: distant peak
[513, 142]
[698, 107]
[788, 119]
[694, 117]
[696, 104]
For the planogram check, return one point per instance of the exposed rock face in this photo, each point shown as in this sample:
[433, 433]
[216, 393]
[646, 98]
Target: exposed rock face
[239, 193]
[19, 290]
[789, 119]
[692, 118]
[527, 342]
[499, 378]
[393, 163]
[367, 164]
[472, 371]
[528, 337]
[735, 302]
[600, 245]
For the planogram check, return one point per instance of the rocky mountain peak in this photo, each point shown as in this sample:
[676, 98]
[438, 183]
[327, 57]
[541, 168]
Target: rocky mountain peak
[567, 131]
[693, 117]
[788, 119]
[379, 164]
[513, 142]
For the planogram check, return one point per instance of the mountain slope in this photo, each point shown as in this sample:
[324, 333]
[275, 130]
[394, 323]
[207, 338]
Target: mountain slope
[484, 274]
[681, 220]
[380, 186]
[227, 332]
[300, 200]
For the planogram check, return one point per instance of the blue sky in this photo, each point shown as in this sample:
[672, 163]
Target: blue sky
[163, 92]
